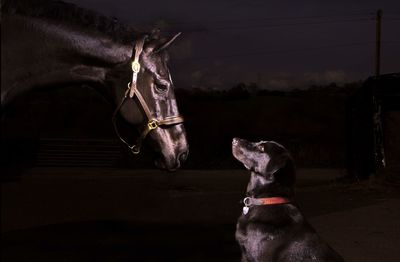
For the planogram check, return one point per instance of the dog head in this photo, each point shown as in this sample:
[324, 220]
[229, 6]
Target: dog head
[267, 159]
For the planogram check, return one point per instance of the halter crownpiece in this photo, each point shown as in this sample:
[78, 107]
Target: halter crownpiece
[136, 65]
[153, 122]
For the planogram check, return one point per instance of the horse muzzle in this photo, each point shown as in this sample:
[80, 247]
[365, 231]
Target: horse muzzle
[172, 147]
[171, 163]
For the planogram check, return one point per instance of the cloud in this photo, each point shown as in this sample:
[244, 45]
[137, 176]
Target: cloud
[278, 84]
[221, 75]
[327, 77]
[197, 75]
[182, 48]
[286, 81]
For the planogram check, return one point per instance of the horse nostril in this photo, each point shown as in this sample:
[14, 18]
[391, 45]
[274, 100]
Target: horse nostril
[183, 156]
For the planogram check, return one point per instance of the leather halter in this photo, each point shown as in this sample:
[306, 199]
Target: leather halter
[152, 121]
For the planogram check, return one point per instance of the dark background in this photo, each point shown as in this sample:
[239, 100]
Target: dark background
[288, 71]
[275, 44]
[310, 123]
[284, 71]
[314, 124]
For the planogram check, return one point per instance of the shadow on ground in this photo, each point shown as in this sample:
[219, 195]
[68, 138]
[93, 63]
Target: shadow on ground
[121, 241]
[54, 215]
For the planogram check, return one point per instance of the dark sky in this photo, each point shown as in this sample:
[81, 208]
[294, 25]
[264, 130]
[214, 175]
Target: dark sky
[276, 44]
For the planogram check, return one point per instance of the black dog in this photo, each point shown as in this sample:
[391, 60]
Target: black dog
[272, 227]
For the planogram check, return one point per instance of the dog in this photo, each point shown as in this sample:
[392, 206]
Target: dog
[272, 228]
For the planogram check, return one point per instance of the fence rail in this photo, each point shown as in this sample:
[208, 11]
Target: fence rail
[78, 152]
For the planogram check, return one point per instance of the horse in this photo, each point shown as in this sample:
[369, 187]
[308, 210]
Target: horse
[49, 44]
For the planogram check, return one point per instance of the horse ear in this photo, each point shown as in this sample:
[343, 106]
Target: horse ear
[155, 34]
[166, 43]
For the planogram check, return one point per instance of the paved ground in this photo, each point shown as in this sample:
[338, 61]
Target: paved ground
[123, 215]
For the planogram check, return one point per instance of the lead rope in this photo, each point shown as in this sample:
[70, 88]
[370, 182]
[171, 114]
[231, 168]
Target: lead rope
[133, 147]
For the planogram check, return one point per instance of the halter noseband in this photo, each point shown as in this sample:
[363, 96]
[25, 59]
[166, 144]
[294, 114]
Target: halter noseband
[152, 121]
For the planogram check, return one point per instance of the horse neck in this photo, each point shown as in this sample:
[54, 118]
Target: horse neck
[37, 53]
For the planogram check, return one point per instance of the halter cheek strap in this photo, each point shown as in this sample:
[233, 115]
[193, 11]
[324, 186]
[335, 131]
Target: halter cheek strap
[136, 65]
[132, 90]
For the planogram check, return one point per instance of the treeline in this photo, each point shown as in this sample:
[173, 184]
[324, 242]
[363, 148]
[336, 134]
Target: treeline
[243, 91]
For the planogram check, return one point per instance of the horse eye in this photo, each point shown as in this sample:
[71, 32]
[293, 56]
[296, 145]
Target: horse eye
[161, 87]
[261, 148]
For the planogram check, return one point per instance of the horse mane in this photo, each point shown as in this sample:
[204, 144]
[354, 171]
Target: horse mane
[71, 14]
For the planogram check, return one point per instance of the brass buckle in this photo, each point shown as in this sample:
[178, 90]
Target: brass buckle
[135, 66]
[152, 124]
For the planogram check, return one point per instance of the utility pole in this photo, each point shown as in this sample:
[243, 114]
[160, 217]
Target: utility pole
[378, 43]
[379, 150]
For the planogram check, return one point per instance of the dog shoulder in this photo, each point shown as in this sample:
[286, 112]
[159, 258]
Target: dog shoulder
[307, 247]
[272, 221]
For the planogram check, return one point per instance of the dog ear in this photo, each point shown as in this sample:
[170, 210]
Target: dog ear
[277, 156]
[275, 163]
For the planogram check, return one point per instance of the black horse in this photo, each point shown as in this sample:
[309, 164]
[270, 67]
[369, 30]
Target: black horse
[51, 44]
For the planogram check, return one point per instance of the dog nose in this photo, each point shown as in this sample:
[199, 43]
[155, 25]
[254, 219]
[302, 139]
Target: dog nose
[235, 141]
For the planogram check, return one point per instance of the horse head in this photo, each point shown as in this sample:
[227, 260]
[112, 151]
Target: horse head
[70, 46]
[150, 104]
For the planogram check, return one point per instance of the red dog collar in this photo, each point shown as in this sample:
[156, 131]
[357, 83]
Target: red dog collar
[249, 201]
